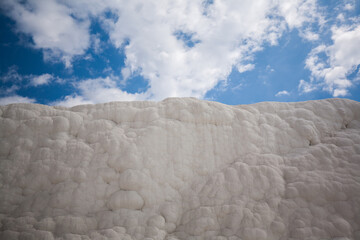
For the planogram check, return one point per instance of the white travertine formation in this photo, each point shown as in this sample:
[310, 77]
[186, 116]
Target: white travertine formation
[181, 169]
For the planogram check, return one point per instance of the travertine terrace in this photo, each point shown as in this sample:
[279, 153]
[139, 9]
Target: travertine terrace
[181, 169]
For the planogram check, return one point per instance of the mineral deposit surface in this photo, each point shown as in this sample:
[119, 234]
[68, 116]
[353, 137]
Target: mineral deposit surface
[181, 169]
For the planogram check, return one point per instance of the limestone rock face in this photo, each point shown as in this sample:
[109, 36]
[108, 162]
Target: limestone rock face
[181, 169]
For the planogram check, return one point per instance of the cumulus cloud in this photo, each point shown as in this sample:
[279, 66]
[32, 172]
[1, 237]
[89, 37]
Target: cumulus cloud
[51, 26]
[15, 99]
[330, 65]
[182, 48]
[282, 93]
[98, 90]
[298, 12]
[175, 69]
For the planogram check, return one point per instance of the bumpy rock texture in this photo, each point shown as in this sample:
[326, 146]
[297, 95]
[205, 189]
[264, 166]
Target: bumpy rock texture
[181, 169]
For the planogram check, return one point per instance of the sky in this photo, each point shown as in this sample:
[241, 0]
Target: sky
[67, 53]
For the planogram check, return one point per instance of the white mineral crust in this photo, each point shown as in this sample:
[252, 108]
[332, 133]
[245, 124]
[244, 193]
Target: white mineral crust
[180, 169]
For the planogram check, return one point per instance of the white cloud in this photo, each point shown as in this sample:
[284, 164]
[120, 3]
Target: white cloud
[306, 87]
[71, 100]
[357, 77]
[218, 36]
[238, 87]
[269, 69]
[105, 90]
[11, 81]
[349, 6]
[15, 79]
[298, 12]
[228, 35]
[10, 90]
[96, 43]
[282, 93]
[41, 79]
[11, 76]
[98, 90]
[15, 99]
[340, 92]
[309, 35]
[341, 17]
[51, 26]
[243, 68]
[330, 65]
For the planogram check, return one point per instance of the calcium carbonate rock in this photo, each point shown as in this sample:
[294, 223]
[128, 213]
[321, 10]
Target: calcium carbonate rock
[181, 169]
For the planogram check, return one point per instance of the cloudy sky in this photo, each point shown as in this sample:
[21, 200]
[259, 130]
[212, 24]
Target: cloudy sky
[65, 52]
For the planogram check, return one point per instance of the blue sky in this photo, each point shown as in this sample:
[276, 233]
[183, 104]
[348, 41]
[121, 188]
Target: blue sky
[236, 52]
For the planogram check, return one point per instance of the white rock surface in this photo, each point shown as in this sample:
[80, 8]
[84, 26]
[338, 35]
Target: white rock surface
[181, 169]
